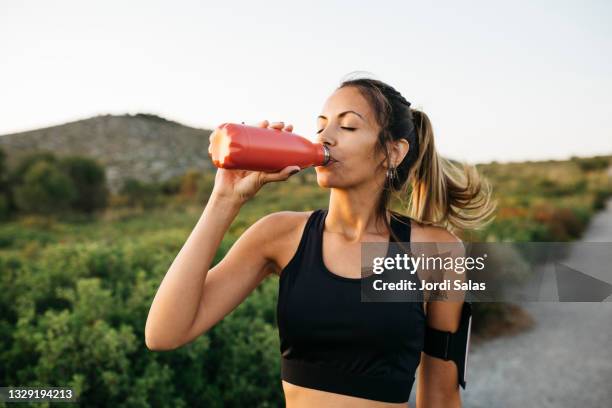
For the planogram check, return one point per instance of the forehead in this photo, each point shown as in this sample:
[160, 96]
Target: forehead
[344, 99]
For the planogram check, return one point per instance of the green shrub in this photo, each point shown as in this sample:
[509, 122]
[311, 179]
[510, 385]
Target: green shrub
[138, 193]
[90, 183]
[591, 163]
[45, 189]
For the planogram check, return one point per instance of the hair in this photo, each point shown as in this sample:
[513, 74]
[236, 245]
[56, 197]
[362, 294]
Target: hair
[442, 193]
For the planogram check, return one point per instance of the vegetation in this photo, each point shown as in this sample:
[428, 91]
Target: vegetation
[45, 185]
[76, 291]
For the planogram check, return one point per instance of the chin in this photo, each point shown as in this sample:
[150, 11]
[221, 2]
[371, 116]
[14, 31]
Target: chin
[327, 179]
[324, 182]
[324, 179]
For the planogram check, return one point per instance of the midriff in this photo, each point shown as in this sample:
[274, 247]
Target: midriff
[302, 397]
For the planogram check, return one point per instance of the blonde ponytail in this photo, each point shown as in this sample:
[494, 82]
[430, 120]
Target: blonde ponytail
[444, 194]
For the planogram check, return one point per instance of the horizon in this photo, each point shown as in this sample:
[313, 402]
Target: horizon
[207, 129]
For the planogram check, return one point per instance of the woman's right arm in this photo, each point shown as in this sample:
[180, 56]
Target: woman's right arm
[191, 298]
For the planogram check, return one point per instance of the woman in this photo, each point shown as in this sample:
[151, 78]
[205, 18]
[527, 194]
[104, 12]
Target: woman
[336, 350]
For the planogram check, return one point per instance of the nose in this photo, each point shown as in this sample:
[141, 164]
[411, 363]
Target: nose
[325, 138]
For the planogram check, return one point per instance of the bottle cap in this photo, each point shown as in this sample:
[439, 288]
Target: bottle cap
[327, 155]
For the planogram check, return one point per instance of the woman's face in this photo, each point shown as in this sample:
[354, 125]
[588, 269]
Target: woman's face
[348, 127]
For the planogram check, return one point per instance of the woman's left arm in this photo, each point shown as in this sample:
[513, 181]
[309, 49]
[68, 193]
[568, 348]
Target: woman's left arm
[438, 385]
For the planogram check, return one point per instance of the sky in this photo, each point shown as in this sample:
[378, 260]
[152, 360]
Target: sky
[506, 81]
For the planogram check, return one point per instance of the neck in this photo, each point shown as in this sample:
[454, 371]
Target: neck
[352, 213]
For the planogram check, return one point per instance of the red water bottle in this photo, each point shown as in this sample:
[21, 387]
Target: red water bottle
[234, 146]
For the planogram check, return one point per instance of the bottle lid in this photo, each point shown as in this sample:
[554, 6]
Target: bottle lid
[327, 155]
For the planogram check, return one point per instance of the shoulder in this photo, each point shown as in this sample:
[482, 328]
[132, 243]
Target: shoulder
[283, 222]
[281, 232]
[431, 233]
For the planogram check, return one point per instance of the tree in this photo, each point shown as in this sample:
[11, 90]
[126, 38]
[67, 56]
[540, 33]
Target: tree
[45, 189]
[28, 161]
[89, 180]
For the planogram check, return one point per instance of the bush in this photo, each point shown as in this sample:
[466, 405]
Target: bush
[601, 197]
[591, 163]
[171, 186]
[563, 224]
[18, 173]
[44, 184]
[46, 189]
[89, 180]
[75, 314]
[138, 193]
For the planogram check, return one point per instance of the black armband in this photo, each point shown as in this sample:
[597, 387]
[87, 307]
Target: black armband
[452, 346]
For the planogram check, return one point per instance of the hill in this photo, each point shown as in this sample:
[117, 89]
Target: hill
[142, 146]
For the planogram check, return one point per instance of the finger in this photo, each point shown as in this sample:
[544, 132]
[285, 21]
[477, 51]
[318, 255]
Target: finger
[288, 128]
[284, 174]
[277, 125]
[263, 124]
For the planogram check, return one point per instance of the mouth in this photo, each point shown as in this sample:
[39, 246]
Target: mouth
[330, 163]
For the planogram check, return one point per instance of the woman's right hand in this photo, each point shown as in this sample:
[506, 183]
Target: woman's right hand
[241, 185]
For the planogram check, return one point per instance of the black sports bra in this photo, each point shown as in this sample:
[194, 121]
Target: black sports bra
[332, 341]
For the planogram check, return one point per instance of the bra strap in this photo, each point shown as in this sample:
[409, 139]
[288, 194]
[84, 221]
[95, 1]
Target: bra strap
[401, 228]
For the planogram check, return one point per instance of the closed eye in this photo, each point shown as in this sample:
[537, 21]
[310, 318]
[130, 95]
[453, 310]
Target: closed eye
[350, 129]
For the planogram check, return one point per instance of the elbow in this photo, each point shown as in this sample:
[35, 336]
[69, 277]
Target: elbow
[156, 342]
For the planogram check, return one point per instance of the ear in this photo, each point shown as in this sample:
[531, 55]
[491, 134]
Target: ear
[399, 150]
